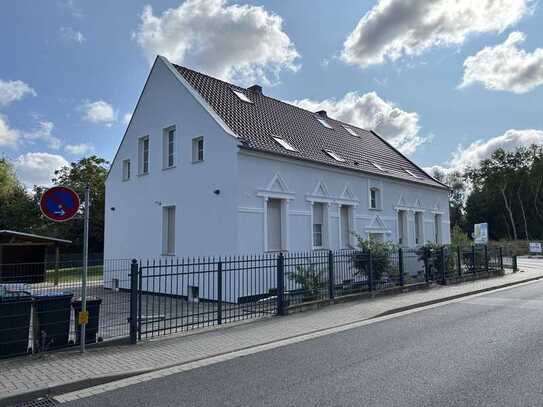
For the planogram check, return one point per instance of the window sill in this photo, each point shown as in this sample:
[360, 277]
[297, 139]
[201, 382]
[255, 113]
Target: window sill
[375, 209]
[168, 255]
[143, 174]
[197, 161]
[168, 168]
[125, 179]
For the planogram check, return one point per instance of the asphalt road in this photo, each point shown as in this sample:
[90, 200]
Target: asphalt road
[483, 351]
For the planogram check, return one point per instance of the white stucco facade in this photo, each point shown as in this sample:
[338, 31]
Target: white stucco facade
[223, 202]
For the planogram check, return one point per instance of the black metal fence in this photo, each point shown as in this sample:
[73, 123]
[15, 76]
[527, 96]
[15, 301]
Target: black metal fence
[150, 298]
[40, 303]
[181, 294]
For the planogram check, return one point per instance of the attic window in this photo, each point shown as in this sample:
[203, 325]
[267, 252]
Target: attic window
[242, 96]
[378, 166]
[412, 173]
[284, 143]
[334, 156]
[350, 131]
[324, 123]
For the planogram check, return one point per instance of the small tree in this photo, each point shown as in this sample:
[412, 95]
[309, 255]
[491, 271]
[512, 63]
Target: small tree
[312, 278]
[459, 238]
[381, 253]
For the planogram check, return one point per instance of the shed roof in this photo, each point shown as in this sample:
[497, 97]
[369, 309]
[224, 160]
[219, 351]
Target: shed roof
[11, 237]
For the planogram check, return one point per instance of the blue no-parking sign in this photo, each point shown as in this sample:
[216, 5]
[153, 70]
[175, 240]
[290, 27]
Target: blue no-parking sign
[59, 204]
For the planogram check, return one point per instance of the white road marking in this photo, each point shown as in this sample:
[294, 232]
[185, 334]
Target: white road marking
[92, 391]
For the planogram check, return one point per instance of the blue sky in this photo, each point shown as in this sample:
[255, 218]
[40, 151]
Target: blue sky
[72, 70]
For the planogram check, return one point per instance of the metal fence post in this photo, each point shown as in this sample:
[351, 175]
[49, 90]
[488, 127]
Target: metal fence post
[515, 264]
[459, 260]
[280, 284]
[486, 260]
[140, 302]
[473, 259]
[219, 293]
[442, 264]
[425, 254]
[501, 258]
[370, 271]
[400, 265]
[134, 301]
[331, 278]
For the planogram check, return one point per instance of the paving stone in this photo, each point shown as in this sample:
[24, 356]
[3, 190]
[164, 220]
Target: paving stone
[31, 372]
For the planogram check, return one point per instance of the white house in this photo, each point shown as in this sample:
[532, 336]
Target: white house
[210, 168]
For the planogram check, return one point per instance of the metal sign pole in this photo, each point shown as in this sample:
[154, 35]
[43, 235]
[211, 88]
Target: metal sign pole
[83, 336]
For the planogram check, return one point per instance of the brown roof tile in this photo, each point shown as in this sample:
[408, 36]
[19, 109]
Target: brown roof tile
[255, 123]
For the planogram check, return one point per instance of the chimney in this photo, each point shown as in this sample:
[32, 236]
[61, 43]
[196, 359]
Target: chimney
[256, 89]
[322, 113]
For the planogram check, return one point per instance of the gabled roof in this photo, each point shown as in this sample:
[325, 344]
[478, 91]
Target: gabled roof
[257, 122]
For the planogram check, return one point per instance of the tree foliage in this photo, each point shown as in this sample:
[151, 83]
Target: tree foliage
[506, 193]
[19, 208]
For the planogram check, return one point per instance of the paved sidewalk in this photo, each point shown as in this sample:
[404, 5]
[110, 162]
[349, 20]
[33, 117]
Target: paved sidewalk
[27, 374]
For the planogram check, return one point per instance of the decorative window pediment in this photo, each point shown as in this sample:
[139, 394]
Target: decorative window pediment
[321, 190]
[377, 225]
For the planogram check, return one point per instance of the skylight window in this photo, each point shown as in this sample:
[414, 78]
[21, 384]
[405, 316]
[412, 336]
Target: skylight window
[324, 123]
[350, 131]
[242, 96]
[284, 143]
[334, 156]
[378, 166]
[412, 173]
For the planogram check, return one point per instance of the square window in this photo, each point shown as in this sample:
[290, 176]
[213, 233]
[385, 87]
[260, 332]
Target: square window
[198, 149]
[378, 166]
[242, 96]
[334, 155]
[283, 143]
[350, 131]
[412, 174]
[324, 123]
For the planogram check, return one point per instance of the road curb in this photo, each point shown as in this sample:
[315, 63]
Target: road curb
[55, 390]
[454, 297]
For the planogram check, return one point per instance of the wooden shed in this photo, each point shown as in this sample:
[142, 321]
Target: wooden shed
[22, 256]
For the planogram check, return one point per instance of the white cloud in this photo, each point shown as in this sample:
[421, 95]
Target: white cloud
[99, 112]
[11, 137]
[11, 91]
[43, 133]
[473, 154]
[8, 137]
[126, 118]
[79, 149]
[232, 42]
[69, 34]
[38, 168]
[370, 112]
[479, 150]
[396, 28]
[505, 67]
